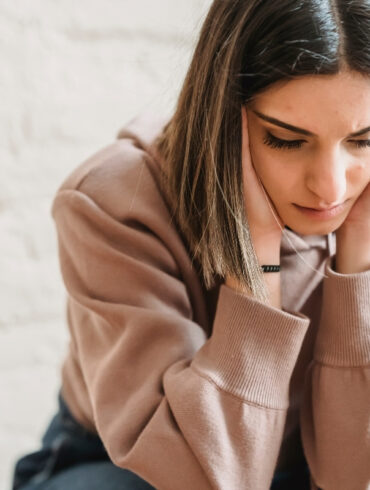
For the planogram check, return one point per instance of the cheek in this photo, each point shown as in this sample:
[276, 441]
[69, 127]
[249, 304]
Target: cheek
[263, 162]
[275, 172]
[359, 174]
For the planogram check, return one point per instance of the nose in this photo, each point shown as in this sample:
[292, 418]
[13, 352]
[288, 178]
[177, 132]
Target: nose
[327, 177]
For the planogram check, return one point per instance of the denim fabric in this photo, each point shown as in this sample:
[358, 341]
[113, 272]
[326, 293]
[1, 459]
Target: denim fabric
[296, 479]
[73, 458]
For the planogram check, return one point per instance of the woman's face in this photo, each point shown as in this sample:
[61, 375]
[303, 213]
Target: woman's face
[324, 163]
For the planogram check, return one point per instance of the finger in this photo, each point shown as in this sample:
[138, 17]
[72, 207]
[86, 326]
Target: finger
[246, 155]
[256, 192]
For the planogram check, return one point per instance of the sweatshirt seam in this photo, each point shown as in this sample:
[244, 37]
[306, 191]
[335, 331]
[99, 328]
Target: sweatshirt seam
[247, 402]
[333, 366]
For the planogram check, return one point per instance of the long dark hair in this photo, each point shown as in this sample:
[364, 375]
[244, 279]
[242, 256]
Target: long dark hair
[244, 47]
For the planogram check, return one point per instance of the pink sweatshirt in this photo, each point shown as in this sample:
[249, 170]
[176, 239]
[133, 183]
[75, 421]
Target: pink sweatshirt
[204, 389]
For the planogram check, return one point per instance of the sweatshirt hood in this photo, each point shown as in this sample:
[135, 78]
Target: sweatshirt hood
[143, 129]
[293, 241]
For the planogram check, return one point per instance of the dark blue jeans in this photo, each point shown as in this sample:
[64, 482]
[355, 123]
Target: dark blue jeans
[73, 458]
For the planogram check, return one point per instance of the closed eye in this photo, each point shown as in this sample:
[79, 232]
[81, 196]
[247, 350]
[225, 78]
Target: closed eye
[274, 142]
[362, 143]
[279, 143]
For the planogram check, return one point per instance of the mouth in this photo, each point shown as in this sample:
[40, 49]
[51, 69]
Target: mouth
[326, 213]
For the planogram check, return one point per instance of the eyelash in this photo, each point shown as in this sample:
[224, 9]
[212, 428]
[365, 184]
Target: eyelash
[278, 143]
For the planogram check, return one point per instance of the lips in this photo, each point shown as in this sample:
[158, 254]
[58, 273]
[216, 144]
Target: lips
[322, 213]
[321, 209]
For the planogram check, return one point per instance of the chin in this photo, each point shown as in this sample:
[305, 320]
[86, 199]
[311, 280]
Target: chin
[323, 228]
[306, 225]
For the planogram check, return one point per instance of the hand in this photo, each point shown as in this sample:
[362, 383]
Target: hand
[265, 231]
[353, 237]
[263, 226]
[359, 217]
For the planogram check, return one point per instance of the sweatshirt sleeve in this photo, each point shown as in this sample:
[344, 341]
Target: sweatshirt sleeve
[180, 410]
[335, 416]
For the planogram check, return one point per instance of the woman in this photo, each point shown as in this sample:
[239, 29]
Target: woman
[193, 363]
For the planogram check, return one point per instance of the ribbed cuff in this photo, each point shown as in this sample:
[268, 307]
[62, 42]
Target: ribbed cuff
[343, 337]
[253, 349]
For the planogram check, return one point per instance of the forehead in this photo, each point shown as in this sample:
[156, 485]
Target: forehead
[320, 103]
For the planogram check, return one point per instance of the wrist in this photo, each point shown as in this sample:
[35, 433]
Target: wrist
[353, 251]
[268, 250]
[273, 284]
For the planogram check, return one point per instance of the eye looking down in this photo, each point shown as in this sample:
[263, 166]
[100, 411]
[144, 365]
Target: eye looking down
[309, 141]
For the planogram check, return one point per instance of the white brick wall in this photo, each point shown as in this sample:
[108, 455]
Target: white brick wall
[71, 74]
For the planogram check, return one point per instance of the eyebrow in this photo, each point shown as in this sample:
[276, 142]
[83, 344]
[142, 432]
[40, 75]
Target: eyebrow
[285, 125]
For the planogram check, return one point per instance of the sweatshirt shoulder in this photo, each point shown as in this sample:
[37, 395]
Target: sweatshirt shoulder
[123, 175]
